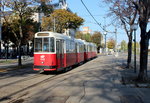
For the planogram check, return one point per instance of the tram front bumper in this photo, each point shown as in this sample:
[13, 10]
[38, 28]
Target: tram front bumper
[44, 68]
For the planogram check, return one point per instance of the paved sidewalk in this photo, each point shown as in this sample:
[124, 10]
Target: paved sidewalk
[134, 92]
[10, 66]
[97, 81]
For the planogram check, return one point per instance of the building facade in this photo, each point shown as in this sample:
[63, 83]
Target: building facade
[86, 30]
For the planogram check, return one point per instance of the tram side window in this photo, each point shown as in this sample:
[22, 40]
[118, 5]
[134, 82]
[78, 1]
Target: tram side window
[67, 46]
[38, 44]
[72, 46]
[52, 45]
[82, 48]
[90, 48]
[46, 45]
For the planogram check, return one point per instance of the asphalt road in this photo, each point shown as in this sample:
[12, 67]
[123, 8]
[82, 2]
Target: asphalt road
[96, 81]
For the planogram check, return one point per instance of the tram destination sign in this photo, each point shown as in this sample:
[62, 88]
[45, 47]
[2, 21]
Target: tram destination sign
[43, 34]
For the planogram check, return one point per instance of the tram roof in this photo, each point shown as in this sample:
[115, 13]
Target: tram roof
[79, 41]
[62, 36]
[51, 34]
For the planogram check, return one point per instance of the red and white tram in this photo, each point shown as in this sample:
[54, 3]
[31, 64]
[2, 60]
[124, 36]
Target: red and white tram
[56, 52]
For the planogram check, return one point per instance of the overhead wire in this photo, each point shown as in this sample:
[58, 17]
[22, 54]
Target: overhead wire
[92, 16]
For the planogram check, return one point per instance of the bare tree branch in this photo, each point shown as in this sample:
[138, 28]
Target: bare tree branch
[134, 17]
[148, 34]
[125, 27]
[135, 4]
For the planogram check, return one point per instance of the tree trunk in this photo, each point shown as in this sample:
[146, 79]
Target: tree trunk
[144, 43]
[6, 51]
[27, 49]
[19, 55]
[0, 50]
[129, 52]
[7, 48]
[20, 42]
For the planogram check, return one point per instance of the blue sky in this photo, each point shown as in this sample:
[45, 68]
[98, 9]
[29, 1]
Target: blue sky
[99, 11]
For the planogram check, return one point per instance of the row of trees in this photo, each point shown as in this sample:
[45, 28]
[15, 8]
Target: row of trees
[96, 38]
[19, 27]
[16, 26]
[127, 13]
[60, 20]
[124, 46]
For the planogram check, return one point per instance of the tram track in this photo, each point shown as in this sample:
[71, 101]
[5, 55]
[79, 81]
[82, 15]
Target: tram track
[51, 87]
[55, 85]
[9, 75]
[23, 88]
[40, 75]
[10, 96]
[21, 80]
[41, 82]
[14, 72]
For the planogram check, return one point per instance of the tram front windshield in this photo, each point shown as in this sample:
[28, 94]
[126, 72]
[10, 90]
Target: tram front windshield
[44, 45]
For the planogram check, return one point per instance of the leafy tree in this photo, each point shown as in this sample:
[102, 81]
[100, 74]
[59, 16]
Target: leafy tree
[102, 45]
[79, 35]
[43, 7]
[111, 44]
[137, 47]
[46, 9]
[97, 39]
[124, 12]
[87, 37]
[60, 20]
[20, 12]
[47, 24]
[29, 29]
[123, 46]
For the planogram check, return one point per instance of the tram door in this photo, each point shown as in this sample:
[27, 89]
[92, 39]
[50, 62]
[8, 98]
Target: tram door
[60, 53]
[77, 51]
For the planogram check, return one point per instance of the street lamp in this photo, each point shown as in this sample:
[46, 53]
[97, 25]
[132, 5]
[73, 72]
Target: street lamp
[54, 28]
[116, 50]
[105, 33]
[134, 27]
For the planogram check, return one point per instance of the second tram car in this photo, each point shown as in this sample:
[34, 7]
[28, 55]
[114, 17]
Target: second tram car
[56, 52]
